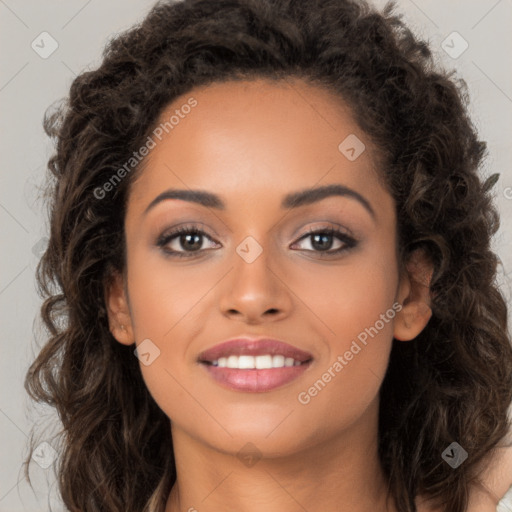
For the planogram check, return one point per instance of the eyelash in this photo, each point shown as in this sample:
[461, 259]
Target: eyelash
[165, 238]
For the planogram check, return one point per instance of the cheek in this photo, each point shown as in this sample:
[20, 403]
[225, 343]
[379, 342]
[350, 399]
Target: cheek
[168, 305]
[343, 385]
[356, 306]
[164, 294]
[347, 298]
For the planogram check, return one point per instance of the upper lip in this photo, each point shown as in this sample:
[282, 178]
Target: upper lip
[253, 347]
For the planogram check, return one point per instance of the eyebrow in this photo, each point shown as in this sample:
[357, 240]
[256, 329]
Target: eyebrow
[293, 200]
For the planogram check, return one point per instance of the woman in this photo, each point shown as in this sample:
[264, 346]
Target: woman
[277, 205]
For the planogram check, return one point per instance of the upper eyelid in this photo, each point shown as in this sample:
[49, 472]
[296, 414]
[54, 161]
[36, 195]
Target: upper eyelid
[198, 227]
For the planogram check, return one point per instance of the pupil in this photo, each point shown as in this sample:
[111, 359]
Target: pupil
[191, 245]
[323, 238]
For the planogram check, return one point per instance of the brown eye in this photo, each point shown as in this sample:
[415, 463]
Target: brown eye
[322, 240]
[184, 241]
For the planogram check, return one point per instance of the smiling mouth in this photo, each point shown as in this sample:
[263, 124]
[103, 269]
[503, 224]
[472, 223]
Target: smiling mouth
[254, 365]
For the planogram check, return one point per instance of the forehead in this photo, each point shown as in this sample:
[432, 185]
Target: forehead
[242, 138]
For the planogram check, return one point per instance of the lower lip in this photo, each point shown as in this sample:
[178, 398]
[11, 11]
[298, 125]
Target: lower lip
[253, 380]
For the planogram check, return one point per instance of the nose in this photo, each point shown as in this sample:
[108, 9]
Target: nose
[256, 292]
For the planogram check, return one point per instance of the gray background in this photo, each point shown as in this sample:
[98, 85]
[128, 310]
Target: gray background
[30, 83]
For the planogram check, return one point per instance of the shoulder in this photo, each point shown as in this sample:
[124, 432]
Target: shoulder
[494, 494]
[497, 478]
[496, 486]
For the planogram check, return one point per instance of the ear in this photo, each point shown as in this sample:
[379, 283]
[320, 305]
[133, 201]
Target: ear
[414, 295]
[119, 316]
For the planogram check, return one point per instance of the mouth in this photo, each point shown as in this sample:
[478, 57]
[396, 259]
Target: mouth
[254, 365]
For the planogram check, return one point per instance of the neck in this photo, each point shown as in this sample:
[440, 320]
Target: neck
[340, 474]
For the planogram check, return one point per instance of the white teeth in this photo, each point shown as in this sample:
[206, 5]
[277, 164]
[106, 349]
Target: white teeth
[261, 362]
[278, 361]
[232, 362]
[245, 362]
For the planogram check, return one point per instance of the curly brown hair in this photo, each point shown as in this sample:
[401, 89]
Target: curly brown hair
[453, 384]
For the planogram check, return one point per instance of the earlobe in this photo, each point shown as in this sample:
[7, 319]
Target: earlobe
[414, 295]
[411, 320]
[119, 317]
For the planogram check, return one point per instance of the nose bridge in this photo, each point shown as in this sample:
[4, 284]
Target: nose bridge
[251, 266]
[254, 287]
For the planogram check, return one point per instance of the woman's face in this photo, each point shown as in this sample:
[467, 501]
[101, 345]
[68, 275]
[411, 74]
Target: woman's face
[254, 271]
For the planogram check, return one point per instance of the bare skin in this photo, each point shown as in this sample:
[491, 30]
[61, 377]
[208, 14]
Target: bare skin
[252, 143]
[497, 479]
